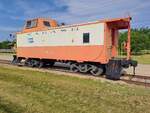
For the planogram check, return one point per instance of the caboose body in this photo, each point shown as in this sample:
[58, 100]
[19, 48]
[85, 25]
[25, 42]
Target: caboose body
[87, 47]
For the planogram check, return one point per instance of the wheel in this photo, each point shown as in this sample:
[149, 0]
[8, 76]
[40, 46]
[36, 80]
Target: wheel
[14, 59]
[83, 68]
[74, 68]
[45, 64]
[36, 63]
[41, 64]
[27, 61]
[95, 71]
[31, 63]
[49, 64]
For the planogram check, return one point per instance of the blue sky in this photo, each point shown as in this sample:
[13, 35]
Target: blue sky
[13, 13]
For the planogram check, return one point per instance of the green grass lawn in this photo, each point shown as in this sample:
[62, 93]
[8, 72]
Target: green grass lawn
[142, 59]
[2, 53]
[25, 91]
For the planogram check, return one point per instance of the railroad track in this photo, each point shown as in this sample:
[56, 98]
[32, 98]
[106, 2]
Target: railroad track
[5, 62]
[137, 80]
[128, 78]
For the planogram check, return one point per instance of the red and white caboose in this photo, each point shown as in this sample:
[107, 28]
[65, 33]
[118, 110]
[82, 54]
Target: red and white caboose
[87, 47]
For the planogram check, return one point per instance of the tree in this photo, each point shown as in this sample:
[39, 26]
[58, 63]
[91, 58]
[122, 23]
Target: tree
[140, 39]
[5, 44]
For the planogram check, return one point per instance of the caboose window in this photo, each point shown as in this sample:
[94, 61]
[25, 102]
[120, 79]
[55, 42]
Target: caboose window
[46, 23]
[86, 37]
[31, 23]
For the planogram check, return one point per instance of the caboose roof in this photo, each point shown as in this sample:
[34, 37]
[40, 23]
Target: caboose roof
[120, 23]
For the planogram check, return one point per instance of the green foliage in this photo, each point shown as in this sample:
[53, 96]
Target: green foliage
[5, 44]
[140, 39]
[142, 59]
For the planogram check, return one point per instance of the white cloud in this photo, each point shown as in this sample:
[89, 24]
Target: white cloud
[88, 10]
[82, 10]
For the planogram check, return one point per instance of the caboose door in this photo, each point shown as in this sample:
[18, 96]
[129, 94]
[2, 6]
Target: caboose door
[112, 42]
[109, 43]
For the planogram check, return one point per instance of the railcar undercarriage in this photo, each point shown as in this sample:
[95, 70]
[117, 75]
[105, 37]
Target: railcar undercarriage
[112, 70]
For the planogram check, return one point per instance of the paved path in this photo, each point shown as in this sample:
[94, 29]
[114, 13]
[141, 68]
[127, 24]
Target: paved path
[141, 69]
[6, 57]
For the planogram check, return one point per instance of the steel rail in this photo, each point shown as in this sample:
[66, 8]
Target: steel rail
[127, 78]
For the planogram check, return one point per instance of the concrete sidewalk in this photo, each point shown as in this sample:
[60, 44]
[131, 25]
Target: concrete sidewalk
[6, 56]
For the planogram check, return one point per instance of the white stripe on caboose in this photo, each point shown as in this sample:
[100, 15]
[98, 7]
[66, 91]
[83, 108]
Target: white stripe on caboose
[71, 36]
